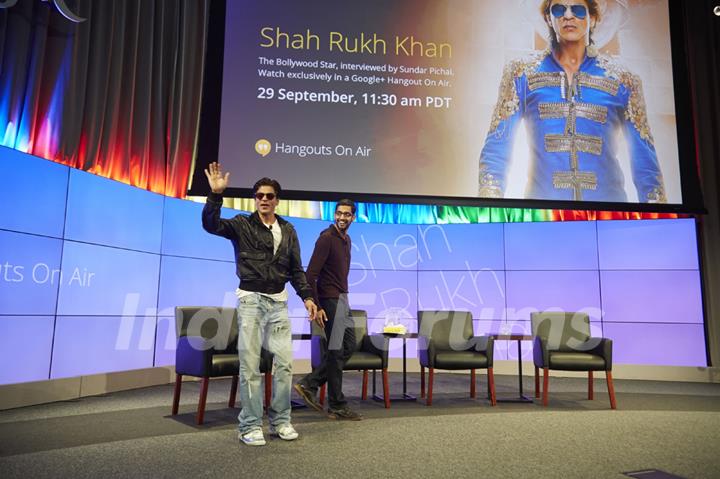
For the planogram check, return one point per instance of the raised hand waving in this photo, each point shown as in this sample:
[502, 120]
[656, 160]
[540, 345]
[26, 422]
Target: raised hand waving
[216, 179]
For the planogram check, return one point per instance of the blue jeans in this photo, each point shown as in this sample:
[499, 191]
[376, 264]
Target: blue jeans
[263, 321]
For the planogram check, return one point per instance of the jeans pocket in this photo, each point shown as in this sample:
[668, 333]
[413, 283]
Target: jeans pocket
[249, 299]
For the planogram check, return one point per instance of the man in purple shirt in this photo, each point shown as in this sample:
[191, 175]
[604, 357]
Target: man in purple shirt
[327, 274]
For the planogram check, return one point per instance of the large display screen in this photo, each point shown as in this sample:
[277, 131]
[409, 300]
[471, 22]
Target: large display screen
[465, 99]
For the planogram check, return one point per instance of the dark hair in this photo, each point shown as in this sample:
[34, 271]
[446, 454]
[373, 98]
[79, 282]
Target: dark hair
[267, 182]
[346, 202]
[593, 10]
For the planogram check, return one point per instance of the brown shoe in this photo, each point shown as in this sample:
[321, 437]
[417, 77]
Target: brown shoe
[307, 397]
[344, 413]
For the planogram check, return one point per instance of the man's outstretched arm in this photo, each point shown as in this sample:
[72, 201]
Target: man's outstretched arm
[211, 221]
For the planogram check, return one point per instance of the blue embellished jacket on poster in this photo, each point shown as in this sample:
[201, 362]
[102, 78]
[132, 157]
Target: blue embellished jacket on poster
[571, 130]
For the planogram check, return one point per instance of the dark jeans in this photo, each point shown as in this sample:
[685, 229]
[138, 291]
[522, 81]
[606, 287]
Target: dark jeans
[340, 333]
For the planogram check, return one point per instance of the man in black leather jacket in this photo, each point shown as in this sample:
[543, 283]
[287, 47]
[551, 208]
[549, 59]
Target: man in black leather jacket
[267, 255]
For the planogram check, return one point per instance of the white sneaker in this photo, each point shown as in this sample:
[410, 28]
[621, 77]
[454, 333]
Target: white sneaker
[286, 432]
[253, 438]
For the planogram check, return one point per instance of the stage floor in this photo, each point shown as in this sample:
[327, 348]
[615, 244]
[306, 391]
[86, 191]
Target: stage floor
[674, 427]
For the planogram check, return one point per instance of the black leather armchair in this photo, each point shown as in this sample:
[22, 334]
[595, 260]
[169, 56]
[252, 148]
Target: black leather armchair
[371, 353]
[446, 341]
[207, 348]
[563, 342]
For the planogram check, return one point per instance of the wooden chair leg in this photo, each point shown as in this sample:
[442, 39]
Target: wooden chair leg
[611, 389]
[491, 386]
[546, 377]
[431, 375]
[321, 398]
[472, 383]
[176, 394]
[233, 391]
[365, 385]
[591, 393]
[537, 383]
[268, 389]
[200, 418]
[422, 382]
[386, 388]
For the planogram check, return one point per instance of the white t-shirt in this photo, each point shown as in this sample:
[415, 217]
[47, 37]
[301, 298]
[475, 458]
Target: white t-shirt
[282, 295]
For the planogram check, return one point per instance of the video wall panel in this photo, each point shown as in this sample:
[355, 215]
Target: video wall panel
[25, 345]
[34, 193]
[384, 294]
[651, 245]
[551, 246]
[165, 341]
[134, 221]
[377, 247]
[112, 307]
[652, 296]
[461, 247]
[480, 292]
[30, 273]
[183, 234]
[657, 344]
[87, 345]
[104, 281]
[529, 291]
[195, 282]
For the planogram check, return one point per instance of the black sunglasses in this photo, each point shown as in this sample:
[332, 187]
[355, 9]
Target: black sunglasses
[260, 196]
[579, 11]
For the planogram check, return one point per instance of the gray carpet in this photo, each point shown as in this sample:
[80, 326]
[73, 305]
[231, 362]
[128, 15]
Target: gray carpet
[674, 427]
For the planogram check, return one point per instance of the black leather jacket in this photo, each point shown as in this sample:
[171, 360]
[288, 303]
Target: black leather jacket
[258, 268]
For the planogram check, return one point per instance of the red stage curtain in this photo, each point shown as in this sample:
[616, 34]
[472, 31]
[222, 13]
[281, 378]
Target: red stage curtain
[117, 95]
